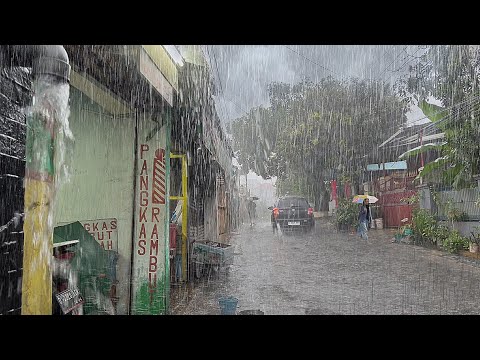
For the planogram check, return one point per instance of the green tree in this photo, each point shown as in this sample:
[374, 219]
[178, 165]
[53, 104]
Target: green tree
[314, 132]
[450, 73]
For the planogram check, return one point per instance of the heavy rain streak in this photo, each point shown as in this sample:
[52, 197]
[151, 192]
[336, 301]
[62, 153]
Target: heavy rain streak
[239, 179]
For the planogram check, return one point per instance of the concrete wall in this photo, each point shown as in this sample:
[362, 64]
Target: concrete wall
[464, 227]
[425, 198]
[102, 178]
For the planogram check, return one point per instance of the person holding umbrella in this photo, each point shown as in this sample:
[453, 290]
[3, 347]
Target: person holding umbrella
[364, 217]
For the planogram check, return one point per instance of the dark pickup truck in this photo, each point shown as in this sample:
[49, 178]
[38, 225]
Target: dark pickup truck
[293, 213]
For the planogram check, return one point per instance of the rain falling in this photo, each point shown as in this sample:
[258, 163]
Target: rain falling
[239, 180]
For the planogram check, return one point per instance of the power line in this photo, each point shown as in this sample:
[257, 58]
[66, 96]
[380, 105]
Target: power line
[448, 108]
[386, 67]
[397, 70]
[465, 108]
[234, 103]
[344, 76]
[221, 85]
[406, 62]
[222, 89]
[313, 62]
[384, 71]
[380, 59]
[464, 105]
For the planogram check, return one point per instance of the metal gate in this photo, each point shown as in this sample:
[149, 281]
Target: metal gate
[394, 209]
[392, 190]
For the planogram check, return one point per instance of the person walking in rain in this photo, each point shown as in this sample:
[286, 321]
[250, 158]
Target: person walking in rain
[364, 219]
[273, 220]
[251, 210]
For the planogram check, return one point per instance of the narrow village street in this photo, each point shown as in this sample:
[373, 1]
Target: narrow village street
[144, 179]
[330, 272]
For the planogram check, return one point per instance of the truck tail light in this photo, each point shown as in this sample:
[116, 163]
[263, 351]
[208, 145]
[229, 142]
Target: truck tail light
[310, 211]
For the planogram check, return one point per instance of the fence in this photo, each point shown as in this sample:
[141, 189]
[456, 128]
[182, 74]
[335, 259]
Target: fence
[464, 201]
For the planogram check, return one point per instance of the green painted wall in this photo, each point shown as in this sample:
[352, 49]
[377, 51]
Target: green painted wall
[102, 178]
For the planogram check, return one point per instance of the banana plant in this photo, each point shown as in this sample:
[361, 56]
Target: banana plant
[447, 166]
[421, 149]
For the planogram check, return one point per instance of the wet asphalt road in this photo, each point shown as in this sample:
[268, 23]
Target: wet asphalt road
[330, 272]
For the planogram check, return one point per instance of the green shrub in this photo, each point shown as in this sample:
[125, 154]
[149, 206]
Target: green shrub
[442, 232]
[424, 227]
[347, 213]
[455, 242]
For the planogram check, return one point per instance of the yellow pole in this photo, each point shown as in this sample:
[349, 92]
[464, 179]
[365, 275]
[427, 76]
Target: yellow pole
[184, 217]
[184, 198]
[38, 244]
[37, 227]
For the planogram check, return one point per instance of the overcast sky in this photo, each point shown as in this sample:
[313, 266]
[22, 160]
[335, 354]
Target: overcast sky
[244, 71]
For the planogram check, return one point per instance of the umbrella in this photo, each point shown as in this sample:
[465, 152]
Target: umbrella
[359, 199]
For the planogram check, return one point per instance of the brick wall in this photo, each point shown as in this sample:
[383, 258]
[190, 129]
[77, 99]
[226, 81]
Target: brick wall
[15, 95]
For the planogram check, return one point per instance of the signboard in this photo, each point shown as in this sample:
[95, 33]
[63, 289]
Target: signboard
[69, 299]
[104, 231]
[397, 165]
[150, 263]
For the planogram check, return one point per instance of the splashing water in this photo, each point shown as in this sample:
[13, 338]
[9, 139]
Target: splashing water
[46, 170]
